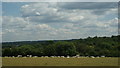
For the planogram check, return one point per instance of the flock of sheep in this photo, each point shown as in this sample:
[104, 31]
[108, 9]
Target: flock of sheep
[77, 56]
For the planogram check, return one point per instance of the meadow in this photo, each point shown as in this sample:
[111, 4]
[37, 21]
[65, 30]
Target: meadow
[42, 61]
[109, 47]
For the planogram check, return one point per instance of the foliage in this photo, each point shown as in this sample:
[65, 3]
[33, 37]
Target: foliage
[96, 46]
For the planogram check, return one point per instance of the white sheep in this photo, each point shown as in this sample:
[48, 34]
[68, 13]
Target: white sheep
[19, 56]
[62, 56]
[92, 56]
[46, 56]
[30, 55]
[52, 56]
[68, 56]
[35, 56]
[102, 56]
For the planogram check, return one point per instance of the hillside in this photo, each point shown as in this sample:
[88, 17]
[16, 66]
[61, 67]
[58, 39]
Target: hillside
[96, 46]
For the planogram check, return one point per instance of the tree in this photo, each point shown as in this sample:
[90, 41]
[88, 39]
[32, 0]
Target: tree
[6, 52]
[50, 50]
[65, 48]
[26, 50]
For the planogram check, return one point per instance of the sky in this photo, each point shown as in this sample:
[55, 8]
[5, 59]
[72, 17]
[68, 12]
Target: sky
[31, 21]
[0, 22]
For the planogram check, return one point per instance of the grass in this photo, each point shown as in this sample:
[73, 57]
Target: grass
[39, 61]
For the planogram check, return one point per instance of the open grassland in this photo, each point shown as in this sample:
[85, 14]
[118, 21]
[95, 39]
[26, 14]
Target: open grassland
[42, 61]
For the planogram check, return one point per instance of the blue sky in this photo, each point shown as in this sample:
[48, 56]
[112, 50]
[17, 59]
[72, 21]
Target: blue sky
[24, 21]
[12, 9]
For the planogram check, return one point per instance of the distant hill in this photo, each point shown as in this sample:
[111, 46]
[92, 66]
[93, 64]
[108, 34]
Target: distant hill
[96, 46]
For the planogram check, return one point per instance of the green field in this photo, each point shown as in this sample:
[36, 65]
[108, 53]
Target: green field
[39, 61]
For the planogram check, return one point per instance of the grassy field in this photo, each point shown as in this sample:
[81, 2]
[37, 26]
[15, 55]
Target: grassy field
[39, 61]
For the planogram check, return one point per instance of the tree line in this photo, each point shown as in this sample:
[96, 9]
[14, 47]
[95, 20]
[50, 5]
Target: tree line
[96, 46]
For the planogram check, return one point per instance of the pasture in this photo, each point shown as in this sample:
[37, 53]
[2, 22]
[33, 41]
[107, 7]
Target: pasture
[43, 61]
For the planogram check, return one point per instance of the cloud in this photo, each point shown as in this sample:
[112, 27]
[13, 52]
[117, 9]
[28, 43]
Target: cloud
[13, 22]
[64, 12]
[44, 21]
[98, 8]
[88, 5]
[48, 13]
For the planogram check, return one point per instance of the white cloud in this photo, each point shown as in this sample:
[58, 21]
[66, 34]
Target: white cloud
[37, 13]
[25, 6]
[49, 12]
[76, 18]
[42, 21]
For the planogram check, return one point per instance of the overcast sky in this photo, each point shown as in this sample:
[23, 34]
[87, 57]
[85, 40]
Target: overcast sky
[58, 20]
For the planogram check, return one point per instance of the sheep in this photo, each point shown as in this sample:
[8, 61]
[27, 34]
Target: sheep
[42, 56]
[62, 56]
[92, 56]
[24, 57]
[19, 56]
[52, 56]
[30, 55]
[27, 55]
[13, 56]
[77, 56]
[35, 56]
[68, 56]
[58, 56]
[46, 56]
[97, 57]
[87, 56]
[73, 56]
[102, 56]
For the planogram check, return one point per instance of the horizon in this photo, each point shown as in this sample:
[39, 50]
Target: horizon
[28, 21]
[58, 39]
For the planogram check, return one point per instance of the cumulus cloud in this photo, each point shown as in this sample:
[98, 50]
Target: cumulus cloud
[43, 21]
[88, 5]
[97, 8]
[49, 12]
